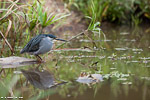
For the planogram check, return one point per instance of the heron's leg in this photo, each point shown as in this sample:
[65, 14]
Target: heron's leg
[39, 59]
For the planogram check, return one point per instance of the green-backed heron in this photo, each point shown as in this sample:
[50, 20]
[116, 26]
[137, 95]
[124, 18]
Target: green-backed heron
[40, 44]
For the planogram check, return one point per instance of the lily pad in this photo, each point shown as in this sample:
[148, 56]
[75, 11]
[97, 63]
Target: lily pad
[14, 61]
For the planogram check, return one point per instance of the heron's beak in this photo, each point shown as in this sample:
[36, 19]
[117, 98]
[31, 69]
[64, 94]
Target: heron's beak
[61, 40]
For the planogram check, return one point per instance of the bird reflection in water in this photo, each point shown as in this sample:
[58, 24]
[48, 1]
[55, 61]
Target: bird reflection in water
[40, 79]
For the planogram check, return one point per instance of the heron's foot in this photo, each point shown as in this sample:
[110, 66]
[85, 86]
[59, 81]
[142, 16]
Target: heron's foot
[39, 59]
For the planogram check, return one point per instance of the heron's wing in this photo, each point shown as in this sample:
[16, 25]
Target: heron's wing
[33, 44]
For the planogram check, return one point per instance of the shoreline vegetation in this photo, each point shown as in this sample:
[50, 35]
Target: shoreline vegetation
[129, 12]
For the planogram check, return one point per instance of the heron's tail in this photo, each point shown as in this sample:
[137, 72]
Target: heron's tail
[22, 51]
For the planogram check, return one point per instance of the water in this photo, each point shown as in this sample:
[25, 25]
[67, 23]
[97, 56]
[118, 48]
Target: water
[123, 62]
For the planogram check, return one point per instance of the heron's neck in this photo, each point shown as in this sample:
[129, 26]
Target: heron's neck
[50, 39]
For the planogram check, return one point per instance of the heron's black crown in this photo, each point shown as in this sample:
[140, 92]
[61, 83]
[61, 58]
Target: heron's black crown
[50, 35]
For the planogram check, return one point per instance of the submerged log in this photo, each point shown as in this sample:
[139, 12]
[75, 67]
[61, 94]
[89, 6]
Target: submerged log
[14, 62]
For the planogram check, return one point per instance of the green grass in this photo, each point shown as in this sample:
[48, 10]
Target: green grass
[117, 11]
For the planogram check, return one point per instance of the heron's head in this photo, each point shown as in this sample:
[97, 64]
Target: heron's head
[54, 37]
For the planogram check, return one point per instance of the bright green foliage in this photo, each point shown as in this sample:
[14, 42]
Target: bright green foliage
[120, 11]
[43, 18]
[40, 16]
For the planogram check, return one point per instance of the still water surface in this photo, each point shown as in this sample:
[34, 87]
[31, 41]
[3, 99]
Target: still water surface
[123, 62]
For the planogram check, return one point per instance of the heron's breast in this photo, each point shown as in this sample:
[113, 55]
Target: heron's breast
[47, 43]
[45, 46]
